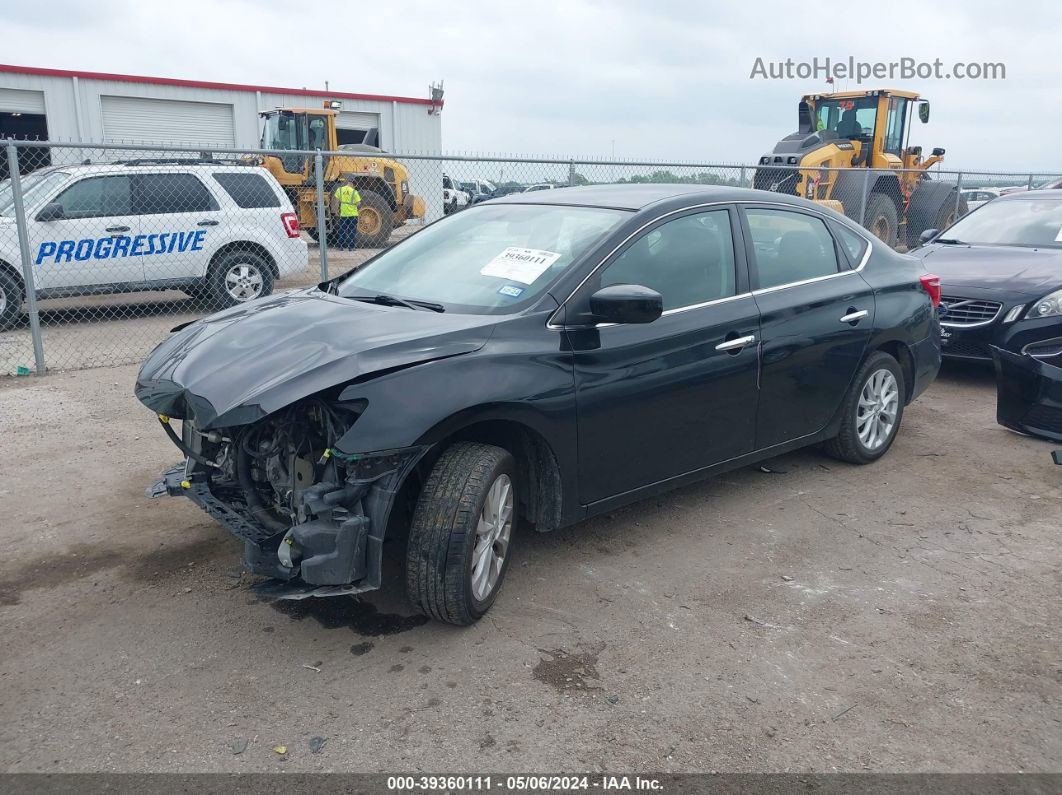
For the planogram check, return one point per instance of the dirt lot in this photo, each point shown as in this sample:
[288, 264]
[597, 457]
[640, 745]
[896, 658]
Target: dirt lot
[898, 617]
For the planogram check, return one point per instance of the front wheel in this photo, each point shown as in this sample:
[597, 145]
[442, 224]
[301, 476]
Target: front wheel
[881, 218]
[461, 534]
[376, 220]
[872, 411]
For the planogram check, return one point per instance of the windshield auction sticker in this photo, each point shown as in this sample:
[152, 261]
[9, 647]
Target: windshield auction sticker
[522, 265]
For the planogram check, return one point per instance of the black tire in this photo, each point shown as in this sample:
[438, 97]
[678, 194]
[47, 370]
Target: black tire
[449, 208]
[948, 214]
[847, 445]
[880, 218]
[442, 534]
[330, 228]
[11, 297]
[221, 294]
[373, 202]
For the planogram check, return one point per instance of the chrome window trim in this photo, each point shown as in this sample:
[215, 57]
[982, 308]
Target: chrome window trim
[725, 203]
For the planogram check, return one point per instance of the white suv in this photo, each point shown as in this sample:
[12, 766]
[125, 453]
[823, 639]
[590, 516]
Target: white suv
[220, 231]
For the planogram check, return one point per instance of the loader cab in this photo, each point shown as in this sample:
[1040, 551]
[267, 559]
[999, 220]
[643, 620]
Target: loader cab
[298, 129]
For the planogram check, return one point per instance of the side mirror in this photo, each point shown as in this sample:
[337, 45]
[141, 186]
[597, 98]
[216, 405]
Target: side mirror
[53, 211]
[938, 151]
[626, 303]
[923, 112]
[928, 235]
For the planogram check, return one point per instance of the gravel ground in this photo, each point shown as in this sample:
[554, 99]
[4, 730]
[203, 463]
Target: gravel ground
[107, 330]
[814, 617]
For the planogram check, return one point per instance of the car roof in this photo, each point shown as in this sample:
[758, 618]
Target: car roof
[139, 166]
[637, 197]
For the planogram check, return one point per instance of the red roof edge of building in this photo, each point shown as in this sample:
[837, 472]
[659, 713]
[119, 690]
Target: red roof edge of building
[170, 81]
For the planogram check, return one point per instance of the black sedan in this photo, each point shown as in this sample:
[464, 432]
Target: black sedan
[534, 361]
[1001, 276]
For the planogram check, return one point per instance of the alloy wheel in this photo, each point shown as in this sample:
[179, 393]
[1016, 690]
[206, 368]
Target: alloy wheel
[876, 410]
[244, 282]
[493, 532]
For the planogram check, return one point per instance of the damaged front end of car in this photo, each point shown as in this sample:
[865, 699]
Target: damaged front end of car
[311, 516]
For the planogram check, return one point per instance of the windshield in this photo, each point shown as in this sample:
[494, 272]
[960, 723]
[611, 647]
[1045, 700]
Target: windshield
[1018, 222]
[849, 118]
[34, 186]
[487, 259]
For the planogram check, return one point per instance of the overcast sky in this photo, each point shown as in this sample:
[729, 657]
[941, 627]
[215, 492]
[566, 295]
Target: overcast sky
[662, 79]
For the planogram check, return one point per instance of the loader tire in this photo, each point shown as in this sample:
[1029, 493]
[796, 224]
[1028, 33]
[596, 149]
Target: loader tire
[880, 218]
[376, 220]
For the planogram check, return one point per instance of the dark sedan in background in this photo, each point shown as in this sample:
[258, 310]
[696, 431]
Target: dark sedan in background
[537, 359]
[1001, 278]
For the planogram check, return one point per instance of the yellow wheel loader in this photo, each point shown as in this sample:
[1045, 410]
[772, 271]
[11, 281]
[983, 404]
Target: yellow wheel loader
[386, 200]
[850, 154]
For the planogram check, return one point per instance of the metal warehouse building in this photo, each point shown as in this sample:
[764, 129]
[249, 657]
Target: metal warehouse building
[87, 106]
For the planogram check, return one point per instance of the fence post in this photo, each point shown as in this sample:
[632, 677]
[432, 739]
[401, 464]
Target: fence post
[863, 198]
[958, 195]
[571, 173]
[741, 183]
[27, 264]
[322, 217]
[1031, 181]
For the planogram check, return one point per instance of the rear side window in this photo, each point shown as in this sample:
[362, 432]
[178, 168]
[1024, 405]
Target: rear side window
[249, 191]
[172, 193]
[96, 197]
[790, 247]
[854, 245]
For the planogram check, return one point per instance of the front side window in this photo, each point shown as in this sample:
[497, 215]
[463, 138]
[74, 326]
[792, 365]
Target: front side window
[689, 260]
[172, 193]
[894, 130]
[97, 197]
[789, 247]
[485, 260]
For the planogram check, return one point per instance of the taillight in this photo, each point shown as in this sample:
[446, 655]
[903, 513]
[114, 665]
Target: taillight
[291, 224]
[931, 284]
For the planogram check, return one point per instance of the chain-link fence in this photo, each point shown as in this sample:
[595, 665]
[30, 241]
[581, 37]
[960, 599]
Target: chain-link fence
[120, 243]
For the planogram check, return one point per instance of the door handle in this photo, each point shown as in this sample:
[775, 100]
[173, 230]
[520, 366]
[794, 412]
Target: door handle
[116, 229]
[207, 223]
[735, 344]
[854, 317]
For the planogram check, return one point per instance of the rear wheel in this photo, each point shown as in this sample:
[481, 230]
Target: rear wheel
[237, 277]
[376, 220]
[881, 219]
[11, 297]
[872, 411]
[461, 533]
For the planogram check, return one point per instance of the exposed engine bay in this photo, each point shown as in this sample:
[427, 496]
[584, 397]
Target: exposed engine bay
[307, 513]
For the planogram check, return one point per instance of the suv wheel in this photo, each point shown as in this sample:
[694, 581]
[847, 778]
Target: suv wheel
[11, 297]
[873, 409]
[461, 534]
[237, 277]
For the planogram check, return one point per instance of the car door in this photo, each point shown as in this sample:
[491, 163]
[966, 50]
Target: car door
[90, 241]
[180, 220]
[661, 399]
[816, 317]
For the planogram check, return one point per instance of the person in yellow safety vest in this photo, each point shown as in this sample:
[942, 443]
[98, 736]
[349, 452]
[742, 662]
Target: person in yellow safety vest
[349, 199]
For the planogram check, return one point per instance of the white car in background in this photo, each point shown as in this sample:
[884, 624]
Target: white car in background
[976, 197]
[453, 197]
[539, 186]
[219, 231]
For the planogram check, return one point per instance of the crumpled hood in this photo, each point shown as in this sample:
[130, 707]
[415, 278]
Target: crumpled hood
[239, 365]
[1014, 272]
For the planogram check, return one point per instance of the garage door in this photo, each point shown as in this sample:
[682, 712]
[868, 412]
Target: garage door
[15, 100]
[165, 121]
[348, 120]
